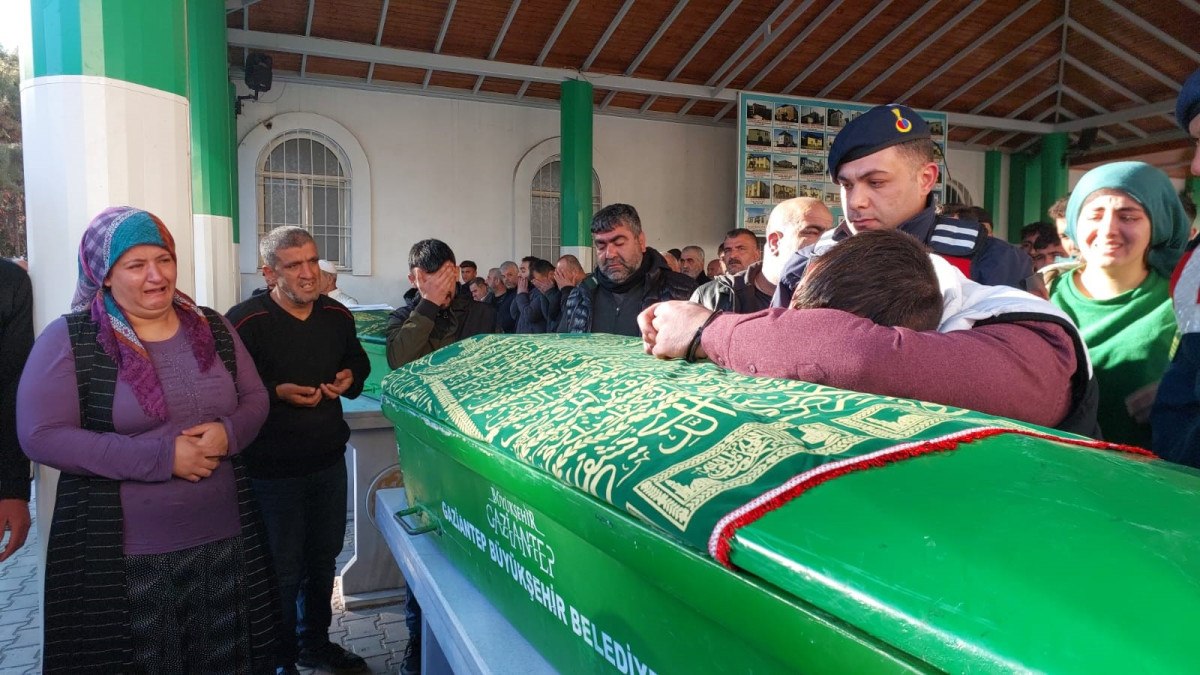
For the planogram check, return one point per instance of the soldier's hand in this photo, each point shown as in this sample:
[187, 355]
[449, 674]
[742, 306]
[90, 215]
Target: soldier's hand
[341, 382]
[438, 287]
[298, 395]
[668, 328]
[191, 460]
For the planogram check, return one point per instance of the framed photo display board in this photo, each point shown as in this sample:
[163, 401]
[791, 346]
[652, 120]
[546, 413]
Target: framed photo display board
[783, 150]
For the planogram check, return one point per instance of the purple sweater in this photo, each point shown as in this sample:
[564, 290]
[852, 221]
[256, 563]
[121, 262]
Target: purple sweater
[161, 513]
[1020, 370]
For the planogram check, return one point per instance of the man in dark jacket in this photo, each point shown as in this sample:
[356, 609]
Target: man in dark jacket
[16, 339]
[568, 273]
[746, 292]
[469, 271]
[885, 163]
[691, 263]
[629, 277]
[793, 224]
[437, 315]
[537, 298]
[1175, 418]
[504, 293]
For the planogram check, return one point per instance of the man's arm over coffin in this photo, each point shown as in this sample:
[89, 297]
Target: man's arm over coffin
[1020, 370]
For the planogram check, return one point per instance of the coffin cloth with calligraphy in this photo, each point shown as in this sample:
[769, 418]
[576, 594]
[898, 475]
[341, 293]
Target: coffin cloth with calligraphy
[691, 449]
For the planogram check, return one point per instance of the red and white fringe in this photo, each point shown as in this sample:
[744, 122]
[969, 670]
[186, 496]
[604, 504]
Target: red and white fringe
[719, 545]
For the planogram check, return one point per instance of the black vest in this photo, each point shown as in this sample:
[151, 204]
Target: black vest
[86, 621]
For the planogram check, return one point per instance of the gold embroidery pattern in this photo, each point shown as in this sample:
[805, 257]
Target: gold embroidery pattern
[666, 440]
[739, 459]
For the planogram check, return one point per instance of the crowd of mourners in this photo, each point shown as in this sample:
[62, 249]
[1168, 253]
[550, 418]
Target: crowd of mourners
[201, 502]
[1072, 328]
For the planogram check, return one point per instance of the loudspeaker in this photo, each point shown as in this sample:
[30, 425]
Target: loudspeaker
[258, 72]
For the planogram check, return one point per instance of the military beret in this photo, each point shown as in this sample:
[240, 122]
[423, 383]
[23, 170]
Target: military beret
[1188, 104]
[880, 127]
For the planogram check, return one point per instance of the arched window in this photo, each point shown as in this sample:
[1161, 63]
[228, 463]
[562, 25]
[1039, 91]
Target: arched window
[302, 180]
[545, 217]
[957, 193]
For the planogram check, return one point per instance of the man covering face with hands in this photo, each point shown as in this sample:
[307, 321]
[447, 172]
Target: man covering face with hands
[437, 315]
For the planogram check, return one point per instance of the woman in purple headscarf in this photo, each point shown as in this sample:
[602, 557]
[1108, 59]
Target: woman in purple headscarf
[143, 401]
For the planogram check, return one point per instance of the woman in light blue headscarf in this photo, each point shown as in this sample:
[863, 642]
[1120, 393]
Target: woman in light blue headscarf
[1130, 228]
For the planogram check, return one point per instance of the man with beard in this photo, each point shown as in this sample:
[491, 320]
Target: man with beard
[523, 269]
[691, 263]
[495, 286]
[629, 277]
[793, 224]
[739, 250]
[308, 355]
[504, 293]
[537, 299]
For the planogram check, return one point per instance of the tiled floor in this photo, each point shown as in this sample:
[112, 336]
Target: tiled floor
[20, 619]
[377, 634]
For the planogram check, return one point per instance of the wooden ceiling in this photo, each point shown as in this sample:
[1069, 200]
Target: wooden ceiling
[1006, 71]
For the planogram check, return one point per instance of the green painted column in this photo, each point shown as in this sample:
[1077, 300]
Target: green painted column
[131, 40]
[1024, 192]
[1054, 168]
[105, 114]
[575, 119]
[213, 165]
[992, 161]
[104, 118]
[233, 173]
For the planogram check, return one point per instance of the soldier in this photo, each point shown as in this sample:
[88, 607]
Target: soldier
[884, 162]
[1175, 417]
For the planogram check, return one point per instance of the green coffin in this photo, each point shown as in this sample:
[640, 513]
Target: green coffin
[635, 515]
[371, 326]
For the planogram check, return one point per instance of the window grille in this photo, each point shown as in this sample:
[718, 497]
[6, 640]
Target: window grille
[545, 216]
[957, 193]
[302, 181]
